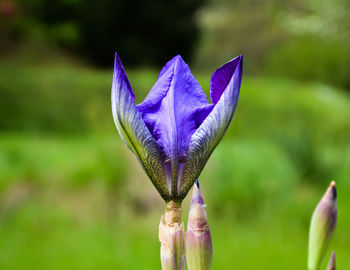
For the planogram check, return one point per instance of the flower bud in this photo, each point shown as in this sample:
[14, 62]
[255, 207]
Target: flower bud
[322, 226]
[171, 237]
[331, 264]
[199, 251]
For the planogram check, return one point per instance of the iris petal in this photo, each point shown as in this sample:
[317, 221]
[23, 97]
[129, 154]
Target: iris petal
[221, 78]
[133, 130]
[210, 132]
[174, 107]
[173, 110]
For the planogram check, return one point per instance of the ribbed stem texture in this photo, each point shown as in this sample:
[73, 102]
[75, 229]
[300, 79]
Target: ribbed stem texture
[172, 238]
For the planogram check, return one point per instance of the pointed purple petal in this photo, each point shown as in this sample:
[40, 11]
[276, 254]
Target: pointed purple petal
[196, 195]
[210, 132]
[173, 110]
[168, 66]
[221, 78]
[175, 107]
[133, 130]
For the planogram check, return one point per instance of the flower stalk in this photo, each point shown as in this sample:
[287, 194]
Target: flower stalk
[172, 238]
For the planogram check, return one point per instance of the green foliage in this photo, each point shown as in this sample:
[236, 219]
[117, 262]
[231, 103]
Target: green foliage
[73, 197]
[311, 59]
[245, 174]
[72, 162]
[306, 40]
[52, 98]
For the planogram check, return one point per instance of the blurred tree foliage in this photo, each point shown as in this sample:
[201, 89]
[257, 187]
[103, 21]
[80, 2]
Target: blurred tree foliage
[302, 39]
[146, 32]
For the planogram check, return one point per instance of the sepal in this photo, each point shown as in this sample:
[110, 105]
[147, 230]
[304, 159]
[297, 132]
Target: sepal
[133, 130]
[213, 128]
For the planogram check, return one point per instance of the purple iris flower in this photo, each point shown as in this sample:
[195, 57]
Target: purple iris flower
[175, 129]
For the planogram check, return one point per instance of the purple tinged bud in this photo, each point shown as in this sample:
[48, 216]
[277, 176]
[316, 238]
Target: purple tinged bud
[331, 264]
[196, 195]
[199, 251]
[322, 226]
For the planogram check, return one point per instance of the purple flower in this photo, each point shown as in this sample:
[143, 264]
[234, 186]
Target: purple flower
[174, 130]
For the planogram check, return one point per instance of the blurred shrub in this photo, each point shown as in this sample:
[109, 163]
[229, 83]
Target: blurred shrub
[301, 118]
[227, 31]
[245, 175]
[73, 162]
[143, 31]
[310, 58]
[308, 40]
[9, 20]
[286, 138]
[52, 98]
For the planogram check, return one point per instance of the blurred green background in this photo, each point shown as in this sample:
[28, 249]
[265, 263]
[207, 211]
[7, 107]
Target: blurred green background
[71, 194]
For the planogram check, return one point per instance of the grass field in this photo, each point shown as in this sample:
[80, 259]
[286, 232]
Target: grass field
[73, 197]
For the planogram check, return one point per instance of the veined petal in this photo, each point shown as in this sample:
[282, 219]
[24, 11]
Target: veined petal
[222, 77]
[173, 110]
[133, 130]
[210, 132]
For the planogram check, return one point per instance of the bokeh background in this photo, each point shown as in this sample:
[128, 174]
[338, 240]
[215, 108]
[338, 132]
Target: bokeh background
[71, 194]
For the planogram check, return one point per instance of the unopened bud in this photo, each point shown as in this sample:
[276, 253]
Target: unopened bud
[199, 251]
[322, 226]
[331, 264]
[171, 237]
